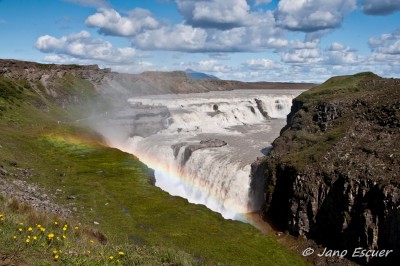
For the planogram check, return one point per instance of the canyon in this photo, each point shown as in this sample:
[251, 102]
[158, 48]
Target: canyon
[319, 162]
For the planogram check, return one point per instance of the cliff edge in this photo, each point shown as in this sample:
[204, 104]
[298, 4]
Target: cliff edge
[333, 175]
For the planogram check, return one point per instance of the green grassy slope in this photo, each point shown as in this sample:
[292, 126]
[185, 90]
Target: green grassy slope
[111, 188]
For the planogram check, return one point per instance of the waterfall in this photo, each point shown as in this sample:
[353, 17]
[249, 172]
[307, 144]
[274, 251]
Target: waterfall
[201, 145]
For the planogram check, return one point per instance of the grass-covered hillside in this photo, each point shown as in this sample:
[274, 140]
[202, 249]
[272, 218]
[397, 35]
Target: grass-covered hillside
[104, 199]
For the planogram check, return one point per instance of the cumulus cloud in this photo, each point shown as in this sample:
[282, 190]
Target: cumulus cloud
[82, 46]
[388, 43]
[340, 54]
[261, 64]
[110, 22]
[178, 38]
[188, 38]
[214, 13]
[312, 15]
[302, 56]
[380, 7]
[236, 28]
[298, 52]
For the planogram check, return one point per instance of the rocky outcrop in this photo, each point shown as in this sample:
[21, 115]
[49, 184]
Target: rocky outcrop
[334, 173]
[261, 108]
[190, 148]
[14, 185]
[45, 80]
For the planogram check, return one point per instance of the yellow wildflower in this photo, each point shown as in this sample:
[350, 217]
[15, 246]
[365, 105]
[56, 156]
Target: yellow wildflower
[42, 229]
[27, 240]
[64, 229]
[50, 236]
[55, 223]
[30, 229]
[121, 253]
[64, 237]
[88, 251]
[111, 257]
[91, 241]
[38, 226]
[21, 223]
[76, 227]
[34, 237]
[56, 257]
[55, 251]
[14, 237]
[20, 229]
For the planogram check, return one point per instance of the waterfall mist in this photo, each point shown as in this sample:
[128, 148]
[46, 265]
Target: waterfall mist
[201, 145]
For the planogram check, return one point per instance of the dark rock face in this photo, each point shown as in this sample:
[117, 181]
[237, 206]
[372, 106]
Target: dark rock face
[261, 109]
[334, 173]
[326, 113]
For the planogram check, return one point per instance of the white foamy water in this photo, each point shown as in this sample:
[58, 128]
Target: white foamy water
[162, 128]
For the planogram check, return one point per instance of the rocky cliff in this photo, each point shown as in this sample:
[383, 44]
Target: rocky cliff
[46, 78]
[333, 175]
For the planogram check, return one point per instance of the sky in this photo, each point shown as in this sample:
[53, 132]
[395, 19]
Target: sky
[253, 40]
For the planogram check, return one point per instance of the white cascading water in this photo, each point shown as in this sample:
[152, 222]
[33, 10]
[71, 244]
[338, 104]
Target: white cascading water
[216, 176]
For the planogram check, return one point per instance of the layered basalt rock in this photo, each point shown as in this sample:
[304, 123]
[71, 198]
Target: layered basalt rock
[333, 175]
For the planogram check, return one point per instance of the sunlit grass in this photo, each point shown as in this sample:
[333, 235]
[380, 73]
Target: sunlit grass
[31, 237]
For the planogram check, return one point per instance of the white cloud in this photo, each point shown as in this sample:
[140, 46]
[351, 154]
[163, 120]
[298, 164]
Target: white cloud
[110, 22]
[147, 33]
[178, 38]
[82, 46]
[261, 64]
[340, 54]
[312, 15]
[388, 43]
[337, 47]
[183, 37]
[214, 13]
[304, 56]
[211, 66]
[380, 7]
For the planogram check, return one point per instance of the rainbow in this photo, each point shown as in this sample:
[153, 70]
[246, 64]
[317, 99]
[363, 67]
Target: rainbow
[169, 175]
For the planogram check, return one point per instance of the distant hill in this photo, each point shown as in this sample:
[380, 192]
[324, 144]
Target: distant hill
[199, 75]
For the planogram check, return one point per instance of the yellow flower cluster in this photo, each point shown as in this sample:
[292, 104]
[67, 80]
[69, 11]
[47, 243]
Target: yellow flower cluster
[34, 237]
[120, 254]
[56, 254]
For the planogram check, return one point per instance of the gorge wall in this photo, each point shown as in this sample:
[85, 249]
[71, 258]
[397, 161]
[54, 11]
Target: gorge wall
[333, 175]
[49, 78]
